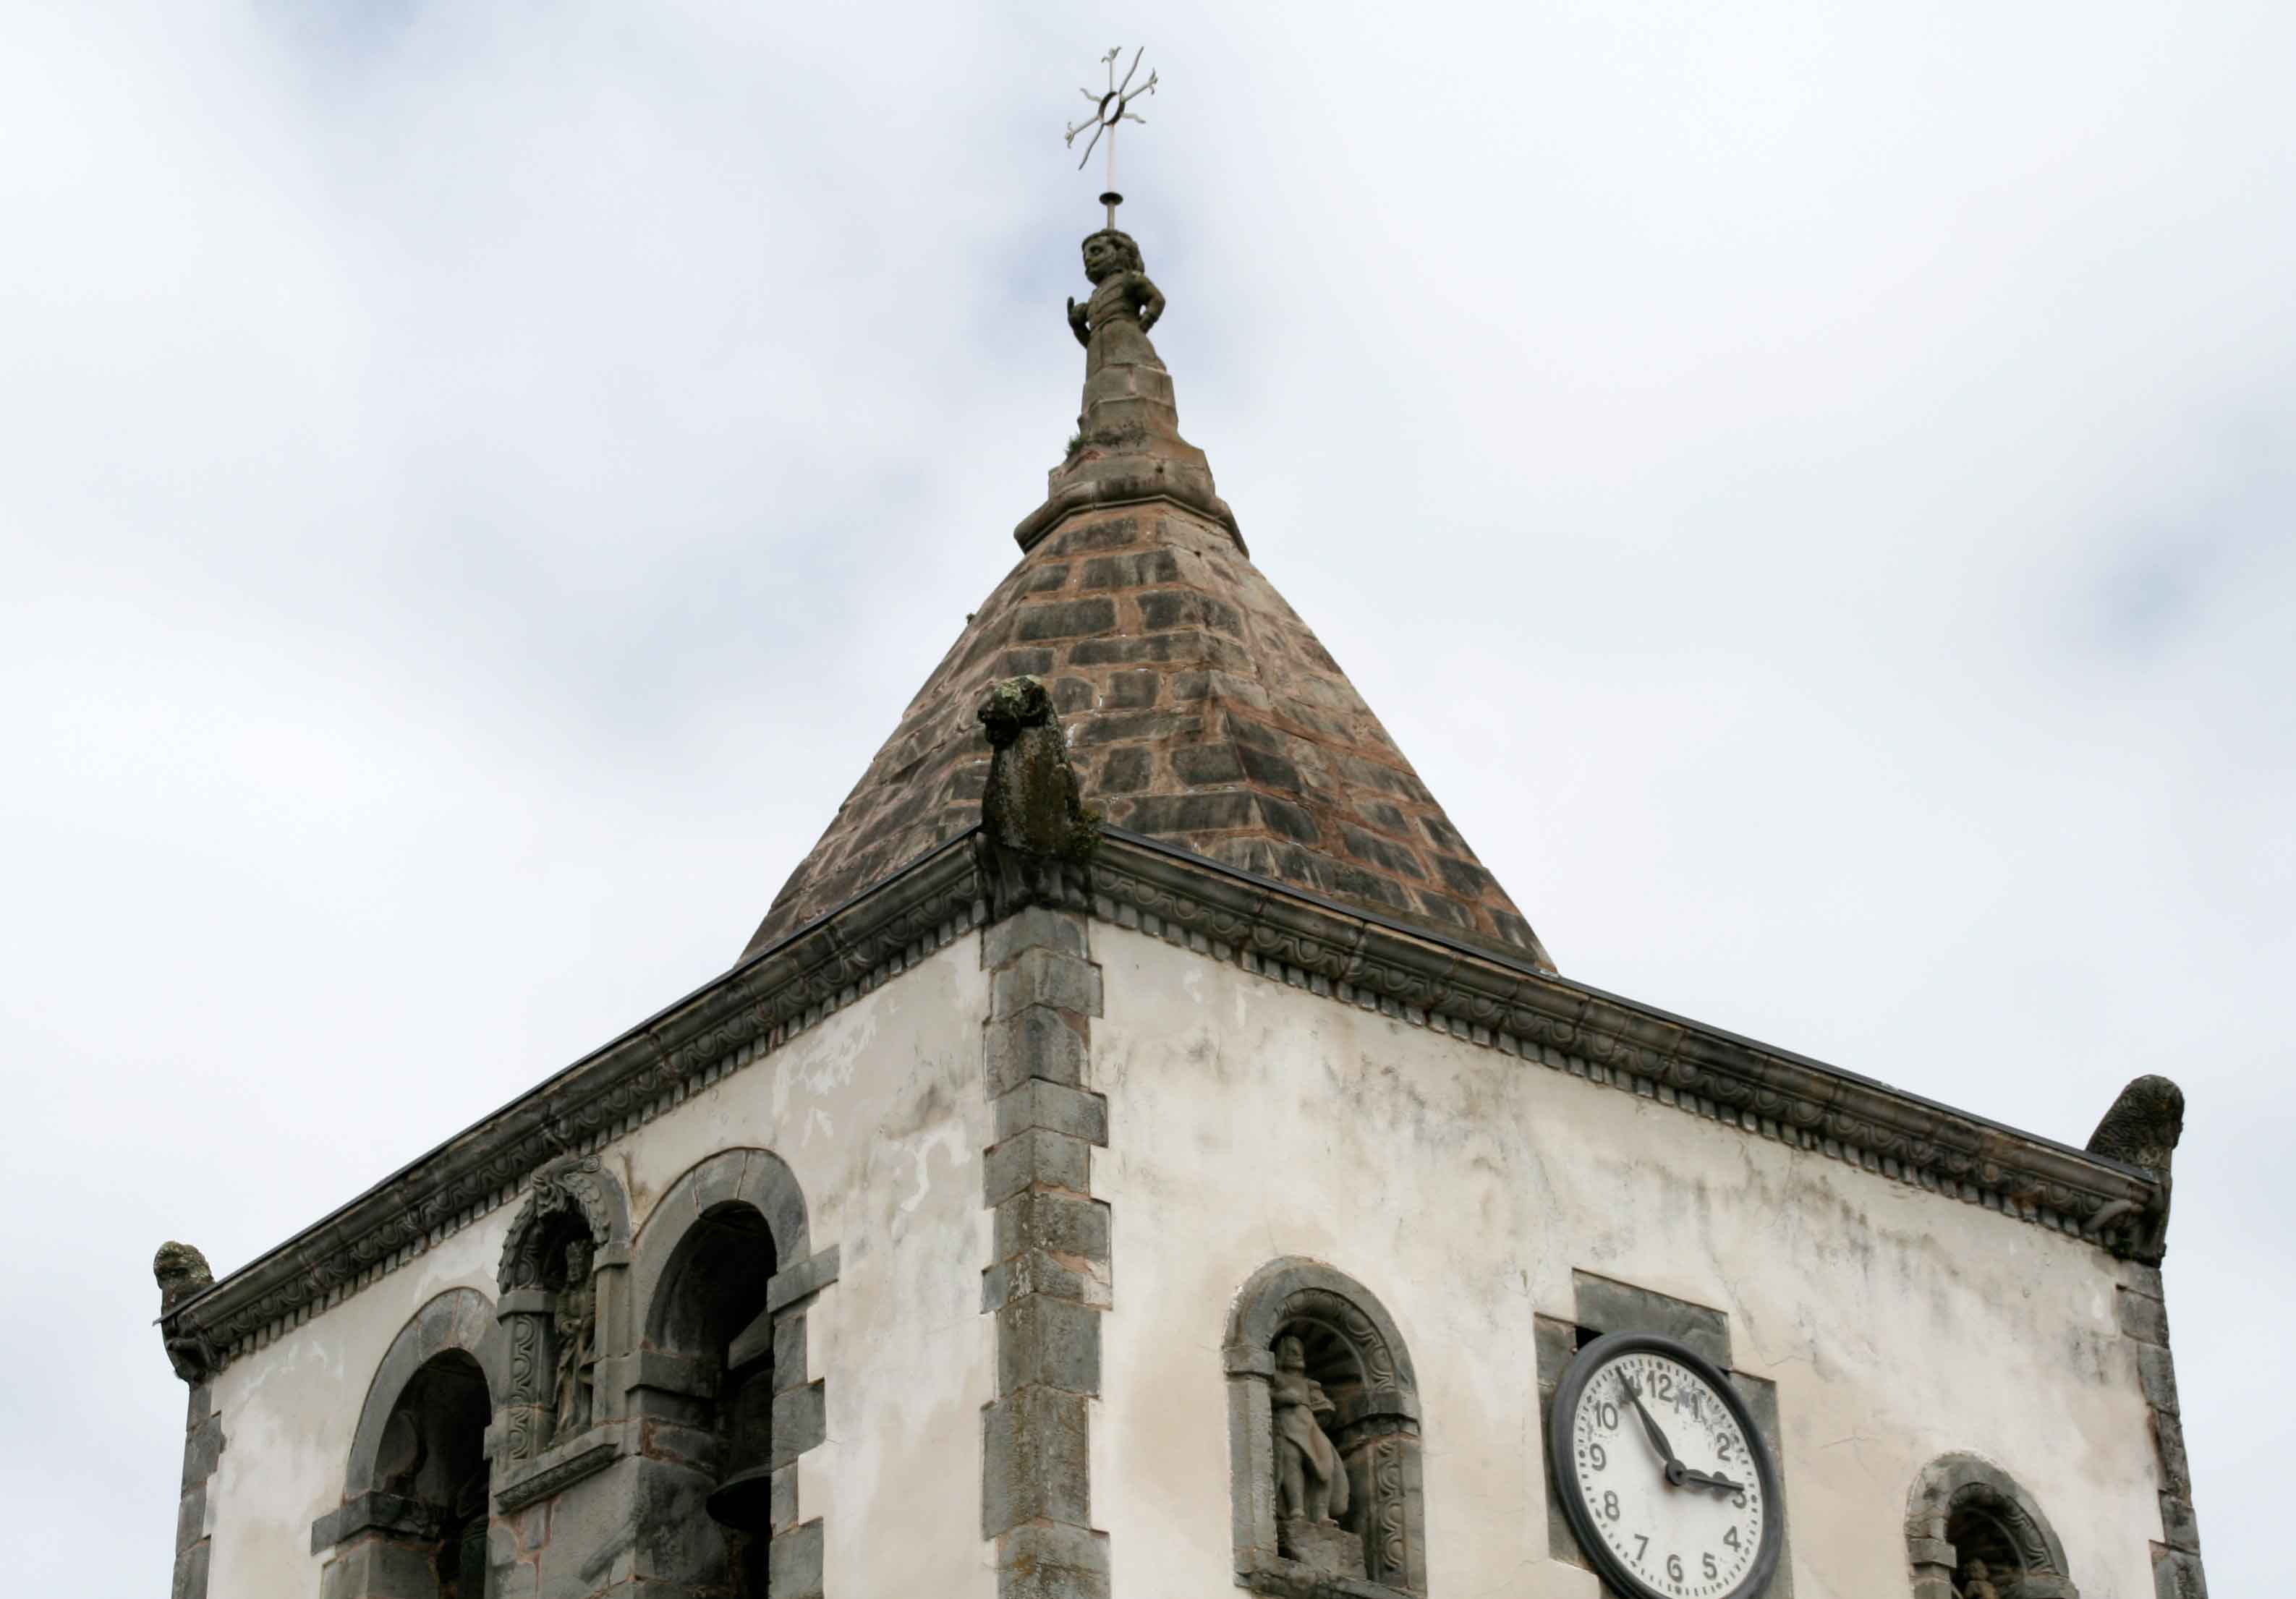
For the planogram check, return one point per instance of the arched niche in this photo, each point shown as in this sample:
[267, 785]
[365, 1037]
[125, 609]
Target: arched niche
[414, 1518]
[1350, 1350]
[721, 1276]
[1969, 1522]
[565, 1303]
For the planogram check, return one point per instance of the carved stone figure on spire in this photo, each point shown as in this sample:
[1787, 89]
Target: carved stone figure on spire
[1122, 295]
[1127, 446]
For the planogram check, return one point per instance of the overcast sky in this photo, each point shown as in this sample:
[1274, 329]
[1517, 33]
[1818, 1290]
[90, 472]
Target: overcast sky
[1809, 486]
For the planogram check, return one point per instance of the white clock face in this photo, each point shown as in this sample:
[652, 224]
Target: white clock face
[1667, 1477]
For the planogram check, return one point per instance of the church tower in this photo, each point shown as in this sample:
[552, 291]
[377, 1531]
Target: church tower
[1142, 1150]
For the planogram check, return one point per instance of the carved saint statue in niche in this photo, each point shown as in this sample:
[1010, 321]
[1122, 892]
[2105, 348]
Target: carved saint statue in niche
[576, 1320]
[1311, 1484]
[1977, 1582]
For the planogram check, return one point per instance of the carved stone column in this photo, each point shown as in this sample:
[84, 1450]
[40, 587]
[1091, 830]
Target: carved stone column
[525, 1314]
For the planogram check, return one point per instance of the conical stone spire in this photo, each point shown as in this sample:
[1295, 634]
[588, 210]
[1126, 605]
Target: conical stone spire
[1198, 707]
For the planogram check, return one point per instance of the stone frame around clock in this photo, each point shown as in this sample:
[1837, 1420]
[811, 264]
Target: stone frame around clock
[1602, 1304]
[1590, 1360]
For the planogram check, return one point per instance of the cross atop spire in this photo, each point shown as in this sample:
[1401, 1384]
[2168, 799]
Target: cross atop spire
[1108, 110]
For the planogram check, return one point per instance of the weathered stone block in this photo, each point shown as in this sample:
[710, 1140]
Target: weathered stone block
[2176, 1575]
[2156, 1375]
[1064, 619]
[1057, 1224]
[1045, 976]
[1133, 691]
[1204, 764]
[2168, 1444]
[1036, 1042]
[1034, 1271]
[192, 1515]
[190, 1580]
[371, 1566]
[1033, 927]
[1042, 1340]
[1036, 1158]
[667, 1526]
[789, 1351]
[1052, 1561]
[1055, 1107]
[1125, 770]
[2179, 1527]
[793, 1562]
[781, 1499]
[202, 1450]
[1036, 1462]
[801, 1420]
[1327, 1551]
[1613, 1307]
[1130, 571]
[802, 1279]
[2141, 1316]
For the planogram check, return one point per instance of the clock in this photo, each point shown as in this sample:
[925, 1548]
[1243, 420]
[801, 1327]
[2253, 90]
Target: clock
[1665, 1479]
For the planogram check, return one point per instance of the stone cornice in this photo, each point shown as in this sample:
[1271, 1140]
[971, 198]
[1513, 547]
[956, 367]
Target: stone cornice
[1480, 996]
[1496, 1000]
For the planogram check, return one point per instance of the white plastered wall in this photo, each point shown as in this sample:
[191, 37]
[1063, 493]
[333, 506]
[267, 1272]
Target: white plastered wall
[880, 1112]
[1250, 1121]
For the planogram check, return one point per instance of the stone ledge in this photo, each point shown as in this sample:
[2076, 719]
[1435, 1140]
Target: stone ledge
[561, 1466]
[374, 1512]
[1281, 1578]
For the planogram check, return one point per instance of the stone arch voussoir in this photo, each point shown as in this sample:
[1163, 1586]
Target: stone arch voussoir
[756, 1177]
[461, 1318]
[1954, 1483]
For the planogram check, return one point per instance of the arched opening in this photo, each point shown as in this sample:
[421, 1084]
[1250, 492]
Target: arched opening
[711, 1310]
[433, 1455]
[414, 1513]
[1974, 1533]
[1324, 1420]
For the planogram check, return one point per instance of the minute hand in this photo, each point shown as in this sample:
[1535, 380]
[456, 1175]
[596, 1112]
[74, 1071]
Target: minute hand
[1706, 1479]
[1650, 1425]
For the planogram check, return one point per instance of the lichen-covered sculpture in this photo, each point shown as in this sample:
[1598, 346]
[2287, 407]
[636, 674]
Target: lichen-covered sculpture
[182, 1272]
[2142, 1129]
[575, 1321]
[1032, 806]
[1122, 296]
[1311, 1485]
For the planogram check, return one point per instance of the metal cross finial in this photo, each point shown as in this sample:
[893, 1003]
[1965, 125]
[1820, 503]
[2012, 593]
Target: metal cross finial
[1108, 110]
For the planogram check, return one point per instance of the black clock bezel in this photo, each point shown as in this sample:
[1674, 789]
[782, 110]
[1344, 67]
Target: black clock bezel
[1560, 1468]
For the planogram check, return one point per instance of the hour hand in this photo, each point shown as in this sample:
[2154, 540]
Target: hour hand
[1650, 1423]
